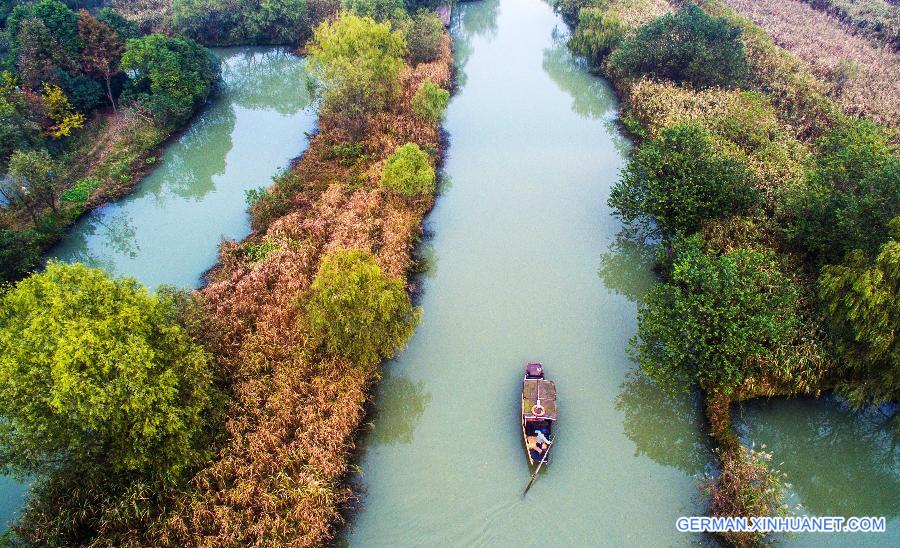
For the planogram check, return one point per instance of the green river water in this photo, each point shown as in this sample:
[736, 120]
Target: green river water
[518, 239]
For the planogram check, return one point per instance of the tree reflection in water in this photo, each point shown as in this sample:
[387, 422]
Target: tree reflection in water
[627, 267]
[475, 20]
[401, 403]
[255, 79]
[839, 462]
[667, 429]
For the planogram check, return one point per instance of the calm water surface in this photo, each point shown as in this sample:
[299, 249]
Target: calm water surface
[168, 230]
[519, 237]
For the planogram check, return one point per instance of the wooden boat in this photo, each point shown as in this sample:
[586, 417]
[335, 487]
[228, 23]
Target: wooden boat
[538, 411]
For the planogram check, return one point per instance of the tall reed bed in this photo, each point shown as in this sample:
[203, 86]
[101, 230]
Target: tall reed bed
[875, 19]
[862, 77]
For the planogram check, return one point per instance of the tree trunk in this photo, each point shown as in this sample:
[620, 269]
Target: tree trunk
[109, 93]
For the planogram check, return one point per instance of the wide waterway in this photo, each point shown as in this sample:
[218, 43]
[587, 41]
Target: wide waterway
[169, 229]
[519, 236]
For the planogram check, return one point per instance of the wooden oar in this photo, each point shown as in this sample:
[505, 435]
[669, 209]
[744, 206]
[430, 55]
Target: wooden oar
[534, 476]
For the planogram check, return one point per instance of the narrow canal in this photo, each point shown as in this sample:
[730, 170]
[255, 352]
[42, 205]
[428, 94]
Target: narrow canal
[168, 230]
[518, 237]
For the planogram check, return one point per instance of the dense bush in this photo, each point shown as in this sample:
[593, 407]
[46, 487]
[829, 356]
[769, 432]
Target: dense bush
[408, 172]
[19, 254]
[170, 76]
[94, 370]
[424, 36]
[358, 312]
[680, 180]
[229, 22]
[862, 297]
[716, 319]
[688, 46]
[357, 63]
[852, 194]
[430, 101]
[32, 182]
[596, 36]
[379, 10]
[20, 125]
[571, 9]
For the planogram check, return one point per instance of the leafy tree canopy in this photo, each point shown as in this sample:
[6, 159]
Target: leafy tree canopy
[177, 71]
[408, 172]
[430, 101]
[716, 320]
[379, 10]
[686, 46]
[862, 297]
[357, 62]
[680, 180]
[852, 194]
[424, 36]
[357, 311]
[95, 372]
[61, 21]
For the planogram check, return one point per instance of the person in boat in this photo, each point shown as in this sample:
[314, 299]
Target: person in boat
[541, 438]
[533, 445]
[538, 442]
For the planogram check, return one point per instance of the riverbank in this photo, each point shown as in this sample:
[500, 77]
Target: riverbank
[772, 129]
[295, 413]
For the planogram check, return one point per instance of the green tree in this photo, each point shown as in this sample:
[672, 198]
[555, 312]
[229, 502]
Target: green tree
[862, 297]
[851, 195]
[39, 56]
[227, 22]
[357, 63]
[716, 320]
[32, 181]
[172, 76]
[379, 10]
[60, 21]
[123, 28]
[357, 311]
[424, 36]
[430, 101]
[681, 180]
[408, 172]
[95, 373]
[20, 126]
[19, 254]
[687, 46]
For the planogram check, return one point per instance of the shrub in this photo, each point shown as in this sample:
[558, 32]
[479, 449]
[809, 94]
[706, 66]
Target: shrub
[680, 180]
[19, 254]
[408, 172]
[596, 36]
[379, 10]
[230, 22]
[716, 319]
[851, 196]
[430, 101]
[862, 297]
[358, 312]
[688, 46]
[424, 37]
[357, 63]
[32, 182]
[570, 9]
[94, 371]
[81, 190]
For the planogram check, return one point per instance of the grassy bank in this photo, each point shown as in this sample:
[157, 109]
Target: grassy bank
[735, 135]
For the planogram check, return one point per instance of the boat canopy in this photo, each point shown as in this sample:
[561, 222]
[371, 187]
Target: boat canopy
[543, 390]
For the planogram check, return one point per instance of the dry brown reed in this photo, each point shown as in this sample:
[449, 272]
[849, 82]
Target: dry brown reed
[279, 477]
